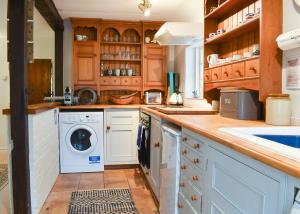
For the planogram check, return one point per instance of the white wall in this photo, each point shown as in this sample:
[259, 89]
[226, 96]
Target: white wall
[4, 74]
[291, 17]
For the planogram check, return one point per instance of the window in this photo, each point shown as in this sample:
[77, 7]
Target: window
[194, 71]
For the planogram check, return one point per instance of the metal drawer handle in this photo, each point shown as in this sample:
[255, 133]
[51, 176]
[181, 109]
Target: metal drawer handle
[194, 198]
[195, 178]
[216, 75]
[183, 167]
[196, 160]
[184, 139]
[226, 73]
[239, 72]
[180, 206]
[156, 145]
[182, 184]
[184, 152]
[197, 146]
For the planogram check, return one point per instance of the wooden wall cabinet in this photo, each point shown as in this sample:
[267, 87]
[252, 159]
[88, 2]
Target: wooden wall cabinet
[155, 67]
[261, 71]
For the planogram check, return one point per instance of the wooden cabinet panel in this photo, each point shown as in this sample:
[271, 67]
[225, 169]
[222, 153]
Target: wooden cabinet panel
[85, 66]
[125, 81]
[252, 68]
[115, 81]
[155, 66]
[105, 81]
[216, 74]
[238, 70]
[226, 72]
[207, 75]
[136, 81]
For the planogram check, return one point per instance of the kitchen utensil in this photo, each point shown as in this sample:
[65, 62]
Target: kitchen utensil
[117, 72]
[123, 72]
[109, 72]
[236, 57]
[129, 72]
[212, 59]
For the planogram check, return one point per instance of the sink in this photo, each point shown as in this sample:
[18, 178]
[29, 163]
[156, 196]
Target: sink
[283, 140]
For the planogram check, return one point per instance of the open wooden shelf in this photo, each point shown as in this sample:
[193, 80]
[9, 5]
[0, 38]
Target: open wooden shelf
[225, 7]
[121, 43]
[122, 60]
[233, 62]
[241, 29]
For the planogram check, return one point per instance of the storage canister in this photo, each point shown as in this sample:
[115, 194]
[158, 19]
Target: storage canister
[278, 110]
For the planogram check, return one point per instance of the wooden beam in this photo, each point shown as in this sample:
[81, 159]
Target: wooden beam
[17, 28]
[49, 12]
[59, 62]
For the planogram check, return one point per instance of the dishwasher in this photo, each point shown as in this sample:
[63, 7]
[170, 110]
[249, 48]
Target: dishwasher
[169, 169]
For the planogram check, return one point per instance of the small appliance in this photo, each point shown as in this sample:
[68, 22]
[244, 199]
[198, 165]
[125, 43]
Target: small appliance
[68, 96]
[153, 98]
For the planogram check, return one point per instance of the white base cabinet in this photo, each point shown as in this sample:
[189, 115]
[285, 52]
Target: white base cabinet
[121, 126]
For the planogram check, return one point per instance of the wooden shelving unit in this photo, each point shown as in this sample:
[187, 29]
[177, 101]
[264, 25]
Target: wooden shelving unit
[261, 73]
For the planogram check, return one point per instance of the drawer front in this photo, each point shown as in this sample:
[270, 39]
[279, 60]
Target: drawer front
[195, 198]
[195, 177]
[226, 72]
[194, 158]
[238, 70]
[216, 74]
[207, 75]
[183, 205]
[252, 68]
[136, 81]
[196, 145]
[125, 81]
[105, 81]
[115, 81]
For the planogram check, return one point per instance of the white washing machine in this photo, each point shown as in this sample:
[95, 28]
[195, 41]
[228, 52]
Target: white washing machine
[81, 142]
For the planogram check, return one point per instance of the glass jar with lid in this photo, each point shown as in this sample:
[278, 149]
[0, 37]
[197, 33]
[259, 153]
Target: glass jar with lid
[278, 110]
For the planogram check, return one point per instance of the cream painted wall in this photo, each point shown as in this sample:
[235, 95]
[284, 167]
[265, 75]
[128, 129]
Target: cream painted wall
[4, 75]
[291, 15]
[68, 39]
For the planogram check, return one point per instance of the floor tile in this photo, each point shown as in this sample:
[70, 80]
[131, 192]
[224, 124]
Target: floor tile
[66, 182]
[90, 181]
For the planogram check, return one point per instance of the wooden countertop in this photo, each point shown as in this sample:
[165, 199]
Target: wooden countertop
[36, 108]
[102, 106]
[208, 126]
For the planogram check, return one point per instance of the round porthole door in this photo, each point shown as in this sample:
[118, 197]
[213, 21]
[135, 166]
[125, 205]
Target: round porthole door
[81, 139]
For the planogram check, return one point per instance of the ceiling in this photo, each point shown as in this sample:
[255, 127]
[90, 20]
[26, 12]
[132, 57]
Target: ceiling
[165, 10]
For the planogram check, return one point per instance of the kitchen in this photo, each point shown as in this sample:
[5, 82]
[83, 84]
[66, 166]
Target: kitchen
[180, 159]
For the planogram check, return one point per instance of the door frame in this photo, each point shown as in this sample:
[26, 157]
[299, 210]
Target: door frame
[18, 68]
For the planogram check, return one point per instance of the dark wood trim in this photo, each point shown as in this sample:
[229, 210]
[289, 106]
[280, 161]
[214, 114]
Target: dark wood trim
[18, 104]
[124, 166]
[59, 34]
[48, 10]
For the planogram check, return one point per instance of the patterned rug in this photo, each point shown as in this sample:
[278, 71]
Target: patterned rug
[106, 201]
[3, 176]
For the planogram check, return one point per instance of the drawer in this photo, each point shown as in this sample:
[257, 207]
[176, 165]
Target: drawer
[195, 177]
[195, 198]
[194, 158]
[136, 81]
[238, 70]
[207, 75]
[216, 74]
[252, 68]
[105, 81]
[125, 81]
[115, 81]
[183, 205]
[196, 145]
[226, 72]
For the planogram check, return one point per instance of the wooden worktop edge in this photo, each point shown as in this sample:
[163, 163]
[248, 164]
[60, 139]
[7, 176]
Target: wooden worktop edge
[35, 108]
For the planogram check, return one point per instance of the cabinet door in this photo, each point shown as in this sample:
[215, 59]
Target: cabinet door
[155, 65]
[85, 63]
[236, 188]
[121, 136]
[155, 156]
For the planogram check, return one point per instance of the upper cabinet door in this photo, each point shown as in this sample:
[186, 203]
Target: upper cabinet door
[85, 63]
[155, 65]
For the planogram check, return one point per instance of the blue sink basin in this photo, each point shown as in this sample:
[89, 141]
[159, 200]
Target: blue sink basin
[289, 140]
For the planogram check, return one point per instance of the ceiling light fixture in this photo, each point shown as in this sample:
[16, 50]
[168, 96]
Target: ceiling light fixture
[145, 7]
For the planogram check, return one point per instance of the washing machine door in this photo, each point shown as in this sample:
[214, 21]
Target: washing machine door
[81, 139]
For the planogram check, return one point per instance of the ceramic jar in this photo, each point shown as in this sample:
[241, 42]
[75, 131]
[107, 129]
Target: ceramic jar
[278, 110]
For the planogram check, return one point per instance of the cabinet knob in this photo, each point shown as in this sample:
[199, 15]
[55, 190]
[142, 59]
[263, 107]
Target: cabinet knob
[184, 152]
[182, 184]
[226, 73]
[216, 75]
[252, 69]
[239, 73]
[195, 178]
[184, 139]
[193, 198]
[107, 128]
[197, 146]
[156, 145]
[196, 160]
[180, 206]
[183, 167]
[207, 77]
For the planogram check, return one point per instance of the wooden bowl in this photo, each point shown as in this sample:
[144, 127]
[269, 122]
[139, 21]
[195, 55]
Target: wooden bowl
[121, 101]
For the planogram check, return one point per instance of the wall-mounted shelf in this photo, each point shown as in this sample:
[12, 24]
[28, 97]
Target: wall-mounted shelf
[241, 29]
[225, 7]
[122, 60]
[121, 43]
